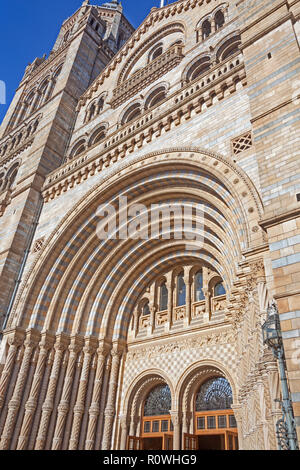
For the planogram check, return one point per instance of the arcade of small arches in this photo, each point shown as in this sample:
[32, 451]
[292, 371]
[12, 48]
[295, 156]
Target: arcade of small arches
[186, 295]
[197, 414]
[212, 22]
[35, 98]
[20, 138]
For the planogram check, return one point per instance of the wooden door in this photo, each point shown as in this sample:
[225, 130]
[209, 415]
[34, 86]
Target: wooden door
[168, 442]
[231, 441]
[134, 443]
[190, 442]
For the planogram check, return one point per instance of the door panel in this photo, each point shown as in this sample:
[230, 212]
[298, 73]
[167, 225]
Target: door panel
[190, 442]
[231, 441]
[168, 442]
[134, 443]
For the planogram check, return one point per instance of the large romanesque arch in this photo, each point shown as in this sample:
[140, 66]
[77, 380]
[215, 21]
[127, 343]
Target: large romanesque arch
[76, 303]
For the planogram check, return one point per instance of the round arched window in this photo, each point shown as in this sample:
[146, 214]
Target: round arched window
[158, 402]
[219, 289]
[199, 294]
[181, 291]
[214, 394]
[163, 299]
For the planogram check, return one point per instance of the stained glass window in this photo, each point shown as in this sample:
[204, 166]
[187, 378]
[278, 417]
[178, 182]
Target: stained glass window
[181, 291]
[199, 295]
[219, 289]
[215, 394]
[163, 301]
[158, 402]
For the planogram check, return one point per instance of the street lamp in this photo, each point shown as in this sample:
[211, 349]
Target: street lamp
[285, 427]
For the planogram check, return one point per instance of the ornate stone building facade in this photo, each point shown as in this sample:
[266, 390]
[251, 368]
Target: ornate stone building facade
[149, 342]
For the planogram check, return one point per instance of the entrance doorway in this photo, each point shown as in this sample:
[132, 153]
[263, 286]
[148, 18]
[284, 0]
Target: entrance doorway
[215, 426]
[156, 424]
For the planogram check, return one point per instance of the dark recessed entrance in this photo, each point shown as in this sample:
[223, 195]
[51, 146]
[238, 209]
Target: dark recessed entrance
[211, 442]
[153, 443]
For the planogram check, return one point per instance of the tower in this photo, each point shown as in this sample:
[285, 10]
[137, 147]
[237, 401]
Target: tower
[37, 127]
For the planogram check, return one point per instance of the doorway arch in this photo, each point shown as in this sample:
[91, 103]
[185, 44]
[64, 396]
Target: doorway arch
[206, 395]
[148, 418]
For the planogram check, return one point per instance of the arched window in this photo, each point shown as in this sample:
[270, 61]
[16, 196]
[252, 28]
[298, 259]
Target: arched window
[181, 291]
[206, 29]
[11, 175]
[228, 48]
[199, 294]
[219, 289]
[146, 308]
[92, 111]
[78, 149]
[219, 19]
[163, 297]
[214, 394]
[121, 40]
[155, 97]
[198, 68]
[155, 52]
[132, 113]
[158, 402]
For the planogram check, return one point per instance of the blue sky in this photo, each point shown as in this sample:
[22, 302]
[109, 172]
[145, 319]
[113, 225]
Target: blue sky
[28, 29]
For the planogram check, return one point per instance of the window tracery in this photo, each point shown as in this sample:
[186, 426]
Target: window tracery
[214, 394]
[158, 402]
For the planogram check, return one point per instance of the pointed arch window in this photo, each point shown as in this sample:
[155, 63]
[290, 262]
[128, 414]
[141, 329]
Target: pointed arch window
[181, 291]
[199, 294]
[163, 297]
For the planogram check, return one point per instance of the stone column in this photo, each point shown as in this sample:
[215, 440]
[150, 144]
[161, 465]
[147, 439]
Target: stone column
[213, 26]
[170, 301]
[21, 112]
[31, 342]
[31, 404]
[124, 432]
[238, 417]
[186, 419]
[14, 340]
[176, 420]
[89, 350]
[111, 400]
[47, 408]
[152, 318]
[34, 102]
[188, 299]
[208, 309]
[94, 410]
[135, 322]
[133, 423]
[48, 90]
[64, 405]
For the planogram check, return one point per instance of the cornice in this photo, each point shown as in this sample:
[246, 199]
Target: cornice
[279, 218]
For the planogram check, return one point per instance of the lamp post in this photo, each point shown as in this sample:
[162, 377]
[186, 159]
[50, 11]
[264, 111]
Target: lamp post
[285, 427]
